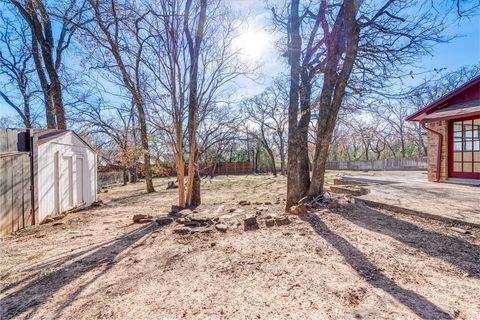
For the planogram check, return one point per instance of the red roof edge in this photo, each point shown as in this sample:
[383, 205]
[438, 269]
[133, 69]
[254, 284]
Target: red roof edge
[443, 99]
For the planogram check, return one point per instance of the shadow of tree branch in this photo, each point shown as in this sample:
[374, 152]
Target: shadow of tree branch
[370, 273]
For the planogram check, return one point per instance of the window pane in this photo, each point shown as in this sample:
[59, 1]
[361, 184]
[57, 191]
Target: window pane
[467, 156]
[457, 166]
[457, 135]
[476, 145]
[457, 156]
[467, 167]
[476, 167]
[457, 126]
[476, 156]
[457, 146]
[467, 135]
[467, 146]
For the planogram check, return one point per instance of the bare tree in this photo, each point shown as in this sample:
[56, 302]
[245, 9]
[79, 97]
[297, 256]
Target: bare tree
[117, 30]
[16, 66]
[349, 45]
[48, 52]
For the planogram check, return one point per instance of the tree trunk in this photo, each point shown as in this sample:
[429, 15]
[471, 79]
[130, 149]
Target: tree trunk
[147, 171]
[194, 51]
[282, 157]
[302, 131]
[125, 175]
[294, 50]
[49, 109]
[272, 160]
[333, 90]
[180, 165]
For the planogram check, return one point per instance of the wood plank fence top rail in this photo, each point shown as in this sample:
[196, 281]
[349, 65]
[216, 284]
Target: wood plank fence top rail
[382, 164]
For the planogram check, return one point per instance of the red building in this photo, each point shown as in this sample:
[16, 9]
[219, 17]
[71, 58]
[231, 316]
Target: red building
[453, 130]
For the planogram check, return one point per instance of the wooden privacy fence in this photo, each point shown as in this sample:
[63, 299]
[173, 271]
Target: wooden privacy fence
[167, 170]
[15, 181]
[384, 164]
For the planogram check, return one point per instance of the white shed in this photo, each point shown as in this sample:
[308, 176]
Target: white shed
[67, 172]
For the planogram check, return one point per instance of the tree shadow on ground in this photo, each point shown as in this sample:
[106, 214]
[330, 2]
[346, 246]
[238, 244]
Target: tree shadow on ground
[370, 273]
[30, 297]
[456, 251]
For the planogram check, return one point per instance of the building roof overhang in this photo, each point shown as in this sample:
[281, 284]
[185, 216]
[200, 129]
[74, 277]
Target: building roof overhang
[460, 110]
[443, 101]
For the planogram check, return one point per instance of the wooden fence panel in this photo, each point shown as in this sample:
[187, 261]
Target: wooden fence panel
[15, 181]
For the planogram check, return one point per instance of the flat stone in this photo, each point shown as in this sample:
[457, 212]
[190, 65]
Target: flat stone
[163, 221]
[142, 218]
[282, 220]
[201, 230]
[300, 209]
[270, 222]
[175, 209]
[221, 227]
[182, 230]
[184, 213]
[268, 203]
[244, 203]
[47, 220]
[250, 221]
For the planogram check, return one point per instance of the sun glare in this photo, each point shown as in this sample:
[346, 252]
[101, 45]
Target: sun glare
[252, 44]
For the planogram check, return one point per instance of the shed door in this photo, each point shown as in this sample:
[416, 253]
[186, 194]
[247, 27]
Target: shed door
[66, 183]
[464, 148]
[79, 177]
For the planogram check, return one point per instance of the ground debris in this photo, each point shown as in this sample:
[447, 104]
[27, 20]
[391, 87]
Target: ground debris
[459, 230]
[172, 185]
[142, 218]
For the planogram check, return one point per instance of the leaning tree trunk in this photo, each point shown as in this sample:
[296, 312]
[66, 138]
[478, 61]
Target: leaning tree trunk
[333, 90]
[294, 191]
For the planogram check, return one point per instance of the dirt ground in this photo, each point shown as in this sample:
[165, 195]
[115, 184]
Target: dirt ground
[351, 262]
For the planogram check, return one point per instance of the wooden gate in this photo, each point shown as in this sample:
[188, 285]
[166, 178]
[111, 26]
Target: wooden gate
[15, 183]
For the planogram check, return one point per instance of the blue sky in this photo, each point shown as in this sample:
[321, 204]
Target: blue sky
[259, 42]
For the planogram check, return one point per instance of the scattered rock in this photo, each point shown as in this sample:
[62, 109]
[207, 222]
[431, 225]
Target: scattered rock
[163, 221]
[47, 220]
[459, 230]
[221, 227]
[332, 205]
[182, 230]
[98, 203]
[184, 213]
[175, 209]
[244, 203]
[58, 224]
[142, 218]
[270, 222]
[300, 209]
[268, 203]
[201, 230]
[282, 220]
[250, 221]
[187, 222]
[231, 210]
